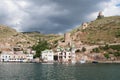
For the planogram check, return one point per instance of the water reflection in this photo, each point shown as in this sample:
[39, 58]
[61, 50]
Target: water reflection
[33, 71]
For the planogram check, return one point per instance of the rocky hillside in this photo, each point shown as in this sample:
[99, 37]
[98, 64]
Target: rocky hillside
[6, 31]
[11, 38]
[39, 36]
[52, 39]
[99, 31]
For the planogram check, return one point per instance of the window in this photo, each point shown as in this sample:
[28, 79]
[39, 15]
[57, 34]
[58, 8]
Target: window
[69, 53]
[65, 53]
[60, 53]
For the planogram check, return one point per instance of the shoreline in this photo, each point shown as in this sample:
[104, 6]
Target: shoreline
[108, 61]
[92, 62]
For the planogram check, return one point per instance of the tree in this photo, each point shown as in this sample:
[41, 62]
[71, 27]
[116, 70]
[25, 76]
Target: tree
[41, 46]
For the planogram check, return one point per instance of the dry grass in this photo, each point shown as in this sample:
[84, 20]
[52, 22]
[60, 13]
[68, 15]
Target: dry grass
[102, 31]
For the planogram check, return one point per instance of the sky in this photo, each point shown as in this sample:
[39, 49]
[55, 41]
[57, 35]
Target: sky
[53, 16]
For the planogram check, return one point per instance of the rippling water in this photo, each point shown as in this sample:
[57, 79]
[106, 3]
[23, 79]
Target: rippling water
[32, 71]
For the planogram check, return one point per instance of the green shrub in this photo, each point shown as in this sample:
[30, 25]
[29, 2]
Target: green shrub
[96, 50]
[115, 47]
[106, 47]
[117, 54]
[117, 34]
[106, 55]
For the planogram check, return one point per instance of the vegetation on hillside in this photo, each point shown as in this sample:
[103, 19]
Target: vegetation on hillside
[113, 50]
[100, 31]
[52, 39]
[41, 46]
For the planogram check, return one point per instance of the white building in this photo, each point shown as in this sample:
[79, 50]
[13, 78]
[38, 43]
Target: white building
[47, 56]
[18, 57]
[73, 56]
[64, 56]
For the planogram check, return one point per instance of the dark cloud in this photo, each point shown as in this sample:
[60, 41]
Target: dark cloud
[55, 16]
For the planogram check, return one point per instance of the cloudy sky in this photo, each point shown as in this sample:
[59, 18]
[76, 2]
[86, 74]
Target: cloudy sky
[53, 16]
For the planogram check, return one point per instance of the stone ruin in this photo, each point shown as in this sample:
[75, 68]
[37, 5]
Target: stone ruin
[67, 40]
[70, 40]
[100, 15]
[67, 37]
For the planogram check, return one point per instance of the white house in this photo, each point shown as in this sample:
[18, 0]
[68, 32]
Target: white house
[47, 56]
[5, 57]
[29, 57]
[64, 56]
[18, 57]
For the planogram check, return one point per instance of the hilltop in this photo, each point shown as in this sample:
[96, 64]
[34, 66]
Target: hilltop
[6, 31]
[99, 31]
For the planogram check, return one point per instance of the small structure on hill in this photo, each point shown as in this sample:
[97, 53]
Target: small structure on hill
[100, 15]
[84, 25]
[67, 40]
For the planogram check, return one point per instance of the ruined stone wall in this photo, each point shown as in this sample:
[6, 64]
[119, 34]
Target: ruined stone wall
[67, 37]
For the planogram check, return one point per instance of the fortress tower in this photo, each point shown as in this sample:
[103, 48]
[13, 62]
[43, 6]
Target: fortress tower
[100, 15]
[67, 37]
